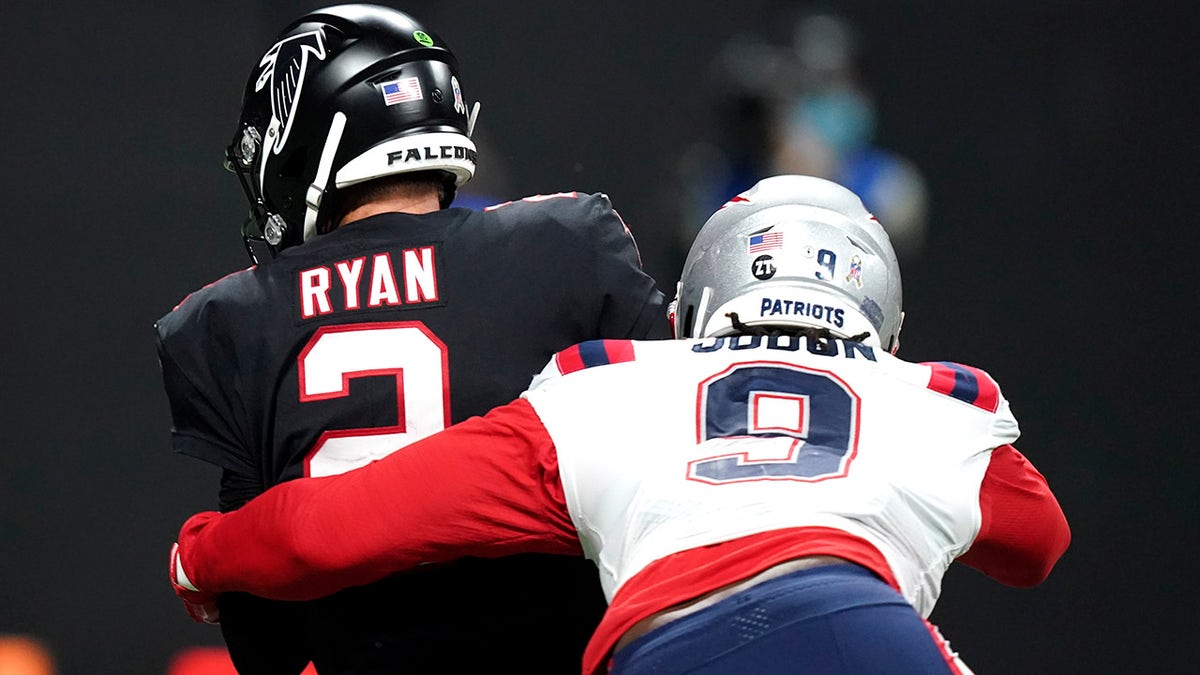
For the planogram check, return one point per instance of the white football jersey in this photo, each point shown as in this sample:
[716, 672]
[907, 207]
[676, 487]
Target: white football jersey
[848, 437]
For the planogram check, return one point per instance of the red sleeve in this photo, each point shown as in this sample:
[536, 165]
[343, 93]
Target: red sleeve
[487, 487]
[1024, 531]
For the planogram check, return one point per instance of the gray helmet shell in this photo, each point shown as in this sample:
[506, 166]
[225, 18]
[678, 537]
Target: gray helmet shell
[792, 251]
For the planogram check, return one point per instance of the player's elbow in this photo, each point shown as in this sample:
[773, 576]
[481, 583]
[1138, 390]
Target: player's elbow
[308, 568]
[1048, 546]
[1024, 562]
[1029, 570]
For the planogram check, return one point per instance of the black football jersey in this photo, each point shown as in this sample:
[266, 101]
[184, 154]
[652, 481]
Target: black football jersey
[363, 340]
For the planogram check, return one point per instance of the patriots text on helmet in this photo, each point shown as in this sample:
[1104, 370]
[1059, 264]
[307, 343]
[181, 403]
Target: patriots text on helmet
[370, 281]
[432, 152]
[833, 316]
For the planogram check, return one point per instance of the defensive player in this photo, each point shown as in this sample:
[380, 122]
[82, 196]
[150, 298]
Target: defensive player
[775, 493]
[384, 317]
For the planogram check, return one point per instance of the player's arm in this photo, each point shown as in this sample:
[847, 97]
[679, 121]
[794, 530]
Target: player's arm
[1024, 530]
[634, 307]
[487, 487]
[204, 418]
[208, 423]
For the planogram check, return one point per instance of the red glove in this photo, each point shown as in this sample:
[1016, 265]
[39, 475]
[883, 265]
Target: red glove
[201, 606]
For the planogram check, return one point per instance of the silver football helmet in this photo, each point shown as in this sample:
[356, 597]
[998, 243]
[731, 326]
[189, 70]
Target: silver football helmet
[792, 251]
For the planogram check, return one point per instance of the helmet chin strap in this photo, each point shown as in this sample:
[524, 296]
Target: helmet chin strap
[316, 191]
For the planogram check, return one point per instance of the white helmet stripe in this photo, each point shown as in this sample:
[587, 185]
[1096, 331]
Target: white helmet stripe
[316, 191]
[473, 117]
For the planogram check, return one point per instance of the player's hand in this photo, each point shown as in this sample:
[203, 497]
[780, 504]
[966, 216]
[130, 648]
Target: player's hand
[201, 606]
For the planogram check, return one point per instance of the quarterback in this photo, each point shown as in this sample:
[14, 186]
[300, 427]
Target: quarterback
[384, 314]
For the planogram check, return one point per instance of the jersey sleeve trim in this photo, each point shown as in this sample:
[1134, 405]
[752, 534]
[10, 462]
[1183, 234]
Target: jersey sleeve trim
[967, 384]
[593, 353]
[200, 428]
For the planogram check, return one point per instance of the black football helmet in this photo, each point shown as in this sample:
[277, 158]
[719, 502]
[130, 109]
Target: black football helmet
[346, 94]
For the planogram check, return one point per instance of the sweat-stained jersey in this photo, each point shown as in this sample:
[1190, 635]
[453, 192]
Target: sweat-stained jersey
[680, 467]
[368, 338]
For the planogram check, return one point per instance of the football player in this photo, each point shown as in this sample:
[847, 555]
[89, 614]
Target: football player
[383, 315]
[776, 492]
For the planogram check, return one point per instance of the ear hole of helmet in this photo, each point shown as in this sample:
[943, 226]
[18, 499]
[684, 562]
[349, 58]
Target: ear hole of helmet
[689, 316]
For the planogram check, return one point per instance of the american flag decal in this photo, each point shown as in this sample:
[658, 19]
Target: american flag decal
[401, 91]
[765, 241]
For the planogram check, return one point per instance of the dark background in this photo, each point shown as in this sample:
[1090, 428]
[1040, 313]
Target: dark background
[1058, 140]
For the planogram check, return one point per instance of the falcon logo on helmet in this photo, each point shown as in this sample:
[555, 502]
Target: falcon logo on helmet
[284, 68]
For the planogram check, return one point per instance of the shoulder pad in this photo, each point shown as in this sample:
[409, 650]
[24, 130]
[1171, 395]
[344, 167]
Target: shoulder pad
[965, 383]
[593, 353]
[213, 288]
[533, 199]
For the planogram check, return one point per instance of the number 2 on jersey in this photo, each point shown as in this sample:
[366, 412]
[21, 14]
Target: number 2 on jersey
[406, 350]
[809, 416]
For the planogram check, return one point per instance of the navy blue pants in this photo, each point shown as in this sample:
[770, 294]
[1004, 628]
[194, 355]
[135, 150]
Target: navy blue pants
[832, 619]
